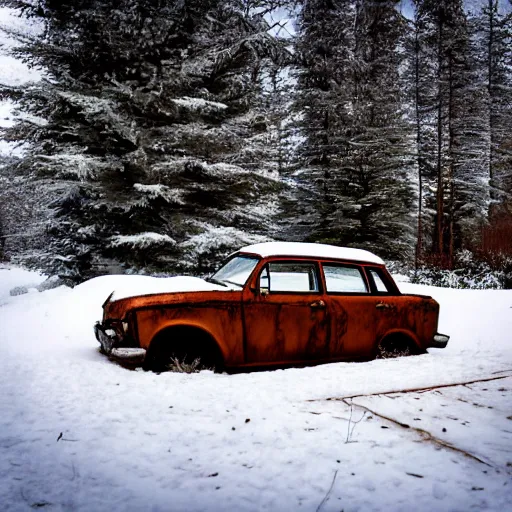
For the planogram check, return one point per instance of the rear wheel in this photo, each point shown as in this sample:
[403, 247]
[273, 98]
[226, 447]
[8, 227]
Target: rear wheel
[396, 346]
[184, 350]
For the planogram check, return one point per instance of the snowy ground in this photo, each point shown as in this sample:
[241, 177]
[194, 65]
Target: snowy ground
[78, 432]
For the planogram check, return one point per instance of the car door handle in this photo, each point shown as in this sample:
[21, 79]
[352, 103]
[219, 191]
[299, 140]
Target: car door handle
[382, 305]
[318, 304]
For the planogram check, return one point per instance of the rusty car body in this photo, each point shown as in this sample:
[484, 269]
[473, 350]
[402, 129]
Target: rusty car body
[272, 304]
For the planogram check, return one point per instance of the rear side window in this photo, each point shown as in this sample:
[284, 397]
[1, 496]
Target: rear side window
[289, 277]
[379, 283]
[344, 279]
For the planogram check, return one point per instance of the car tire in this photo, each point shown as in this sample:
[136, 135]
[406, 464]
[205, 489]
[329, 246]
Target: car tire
[395, 346]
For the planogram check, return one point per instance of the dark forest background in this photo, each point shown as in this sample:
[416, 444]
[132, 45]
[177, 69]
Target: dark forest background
[165, 134]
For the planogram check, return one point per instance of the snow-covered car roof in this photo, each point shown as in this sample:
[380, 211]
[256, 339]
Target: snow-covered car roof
[311, 251]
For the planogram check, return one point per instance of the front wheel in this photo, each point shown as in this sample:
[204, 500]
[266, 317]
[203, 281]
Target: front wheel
[183, 350]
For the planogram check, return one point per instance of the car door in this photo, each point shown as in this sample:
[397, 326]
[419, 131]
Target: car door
[285, 315]
[352, 309]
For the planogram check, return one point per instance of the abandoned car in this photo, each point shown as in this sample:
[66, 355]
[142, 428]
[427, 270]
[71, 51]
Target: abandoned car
[276, 303]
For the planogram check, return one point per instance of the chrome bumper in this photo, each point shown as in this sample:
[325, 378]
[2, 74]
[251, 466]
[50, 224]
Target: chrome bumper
[108, 339]
[439, 340]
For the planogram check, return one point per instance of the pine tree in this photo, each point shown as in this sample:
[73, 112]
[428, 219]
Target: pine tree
[324, 48]
[422, 70]
[357, 151]
[148, 110]
[493, 25]
[381, 146]
[22, 210]
[449, 132]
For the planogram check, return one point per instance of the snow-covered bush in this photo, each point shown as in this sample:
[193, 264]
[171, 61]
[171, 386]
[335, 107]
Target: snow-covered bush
[18, 290]
[468, 273]
[50, 283]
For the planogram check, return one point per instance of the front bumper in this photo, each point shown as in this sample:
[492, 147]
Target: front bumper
[439, 340]
[106, 337]
[110, 341]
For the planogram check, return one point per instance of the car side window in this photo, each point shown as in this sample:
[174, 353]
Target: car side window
[344, 279]
[289, 277]
[379, 283]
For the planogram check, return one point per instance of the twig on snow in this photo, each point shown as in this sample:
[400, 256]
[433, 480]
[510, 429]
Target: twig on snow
[411, 390]
[352, 424]
[326, 497]
[502, 371]
[425, 434]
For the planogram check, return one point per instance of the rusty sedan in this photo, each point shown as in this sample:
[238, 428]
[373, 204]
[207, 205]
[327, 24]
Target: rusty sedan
[272, 304]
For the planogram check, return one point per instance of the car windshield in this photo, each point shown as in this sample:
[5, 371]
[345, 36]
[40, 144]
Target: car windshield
[236, 271]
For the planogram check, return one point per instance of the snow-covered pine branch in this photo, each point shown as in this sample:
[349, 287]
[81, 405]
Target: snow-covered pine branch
[141, 241]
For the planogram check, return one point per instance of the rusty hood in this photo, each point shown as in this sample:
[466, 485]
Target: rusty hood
[146, 285]
[143, 291]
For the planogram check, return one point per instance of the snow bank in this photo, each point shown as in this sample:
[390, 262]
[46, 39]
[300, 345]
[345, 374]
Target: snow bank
[78, 432]
[12, 277]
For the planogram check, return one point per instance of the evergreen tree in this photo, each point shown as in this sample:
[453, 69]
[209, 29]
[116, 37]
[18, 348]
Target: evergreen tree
[325, 45]
[148, 110]
[450, 134]
[381, 145]
[422, 71]
[493, 50]
[358, 149]
[22, 210]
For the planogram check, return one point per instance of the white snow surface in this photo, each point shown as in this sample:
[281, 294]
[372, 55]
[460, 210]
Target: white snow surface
[311, 250]
[78, 432]
[12, 277]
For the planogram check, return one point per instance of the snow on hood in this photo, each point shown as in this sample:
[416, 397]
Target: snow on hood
[133, 286]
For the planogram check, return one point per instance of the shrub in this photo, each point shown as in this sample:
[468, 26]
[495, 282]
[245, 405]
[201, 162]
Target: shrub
[469, 272]
[182, 366]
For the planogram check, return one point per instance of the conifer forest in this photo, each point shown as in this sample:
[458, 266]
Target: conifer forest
[161, 135]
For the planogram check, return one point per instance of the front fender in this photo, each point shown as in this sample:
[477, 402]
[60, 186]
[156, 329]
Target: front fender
[221, 321]
[193, 325]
